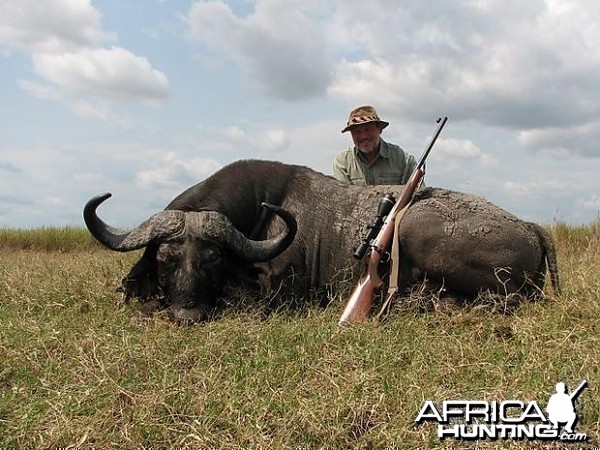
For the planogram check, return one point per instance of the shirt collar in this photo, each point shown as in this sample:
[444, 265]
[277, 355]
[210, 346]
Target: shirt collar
[383, 150]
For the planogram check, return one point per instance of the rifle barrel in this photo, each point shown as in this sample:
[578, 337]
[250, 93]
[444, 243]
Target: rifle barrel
[442, 121]
[577, 391]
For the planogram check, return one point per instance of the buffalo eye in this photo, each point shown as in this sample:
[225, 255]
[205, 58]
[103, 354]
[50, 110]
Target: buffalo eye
[211, 255]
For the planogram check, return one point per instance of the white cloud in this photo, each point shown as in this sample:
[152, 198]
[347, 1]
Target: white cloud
[370, 79]
[450, 148]
[452, 154]
[264, 141]
[458, 156]
[54, 190]
[314, 144]
[109, 74]
[591, 203]
[236, 133]
[524, 188]
[580, 139]
[9, 168]
[280, 45]
[86, 109]
[554, 183]
[517, 65]
[52, 26]
[175, 173]
[489, 161]
[40, 90]
[99, 110]
[64, 38]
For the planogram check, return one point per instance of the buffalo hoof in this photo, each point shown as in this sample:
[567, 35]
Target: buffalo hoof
[188, 316]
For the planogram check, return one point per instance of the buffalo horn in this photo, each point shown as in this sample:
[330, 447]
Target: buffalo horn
[163, 225]
[217, 227]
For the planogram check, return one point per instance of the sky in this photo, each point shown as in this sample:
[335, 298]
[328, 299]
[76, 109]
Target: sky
[144, 98]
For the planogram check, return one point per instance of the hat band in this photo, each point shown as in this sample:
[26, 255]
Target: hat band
[363, 119]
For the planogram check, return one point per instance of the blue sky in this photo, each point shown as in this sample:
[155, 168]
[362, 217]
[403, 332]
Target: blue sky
[145, 98]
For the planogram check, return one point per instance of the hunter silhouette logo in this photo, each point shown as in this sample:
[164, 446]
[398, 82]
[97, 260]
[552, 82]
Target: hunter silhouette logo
[507, 419]
[561, 406]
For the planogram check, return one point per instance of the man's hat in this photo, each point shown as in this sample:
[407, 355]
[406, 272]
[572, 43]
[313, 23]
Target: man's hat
[364, 114]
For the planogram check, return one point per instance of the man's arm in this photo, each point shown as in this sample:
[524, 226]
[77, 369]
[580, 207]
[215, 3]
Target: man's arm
[411, 163]
[340, 172]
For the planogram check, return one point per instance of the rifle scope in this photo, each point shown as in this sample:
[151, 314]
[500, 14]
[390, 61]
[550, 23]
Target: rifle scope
[383, 209]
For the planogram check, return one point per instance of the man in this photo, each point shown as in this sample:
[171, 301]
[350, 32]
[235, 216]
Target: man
[560, 408]
[371, 160]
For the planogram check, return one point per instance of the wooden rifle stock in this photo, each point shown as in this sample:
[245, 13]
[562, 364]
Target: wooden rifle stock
[361, 300]
[359, 305]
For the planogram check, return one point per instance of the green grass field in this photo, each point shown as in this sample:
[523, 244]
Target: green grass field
[81, 369]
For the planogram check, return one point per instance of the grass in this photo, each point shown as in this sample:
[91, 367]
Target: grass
[47, 239]
[80, 368]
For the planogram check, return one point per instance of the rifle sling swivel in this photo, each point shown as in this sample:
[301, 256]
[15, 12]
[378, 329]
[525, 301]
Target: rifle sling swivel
[385, 255]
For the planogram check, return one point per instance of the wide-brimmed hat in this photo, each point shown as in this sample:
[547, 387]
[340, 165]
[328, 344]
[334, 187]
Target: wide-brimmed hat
[364, 114]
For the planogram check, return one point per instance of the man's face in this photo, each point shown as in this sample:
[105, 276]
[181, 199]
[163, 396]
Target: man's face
[366, 136]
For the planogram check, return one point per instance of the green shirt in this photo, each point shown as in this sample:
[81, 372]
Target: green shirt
[392, 166]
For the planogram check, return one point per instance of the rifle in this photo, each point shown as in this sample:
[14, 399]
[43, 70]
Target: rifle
[577, 391]
[361, 300]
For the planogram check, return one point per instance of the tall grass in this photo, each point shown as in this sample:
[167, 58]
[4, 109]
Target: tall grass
[80, 368]
[581, 239]
[47, 239]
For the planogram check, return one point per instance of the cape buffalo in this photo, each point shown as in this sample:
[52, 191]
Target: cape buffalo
[217, 234]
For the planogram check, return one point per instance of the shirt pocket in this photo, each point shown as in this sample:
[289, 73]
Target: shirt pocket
[388, 178]
[358, 180]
